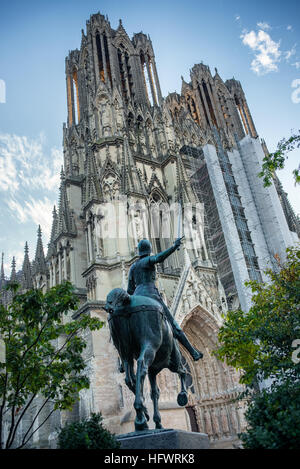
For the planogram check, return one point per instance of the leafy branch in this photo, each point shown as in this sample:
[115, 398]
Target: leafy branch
[277, 160]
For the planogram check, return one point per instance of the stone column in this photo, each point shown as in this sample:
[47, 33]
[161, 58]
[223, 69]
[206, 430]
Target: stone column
[54, 271]
[64, 264]
[59, 268]
[50, 272]
[89, 237]
[72, 266]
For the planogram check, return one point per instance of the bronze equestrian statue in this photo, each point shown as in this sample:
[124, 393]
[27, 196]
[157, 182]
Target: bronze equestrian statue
[142, 282]
[141, 332]
[143, 329]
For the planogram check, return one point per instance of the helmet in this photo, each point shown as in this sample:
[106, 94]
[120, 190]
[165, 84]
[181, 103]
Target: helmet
[144, 247]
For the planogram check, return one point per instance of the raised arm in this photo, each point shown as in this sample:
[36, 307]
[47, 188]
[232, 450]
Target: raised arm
[162, 256]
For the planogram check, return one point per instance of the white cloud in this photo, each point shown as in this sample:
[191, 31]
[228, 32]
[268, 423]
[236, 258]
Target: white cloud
[18, 210]
[38, 211]
[26, 163]
[289, 53]
[296, 64]
[289, 28]
[267, 53]
[29, 182]
[295, 96]
[237, 17]
[263, 25]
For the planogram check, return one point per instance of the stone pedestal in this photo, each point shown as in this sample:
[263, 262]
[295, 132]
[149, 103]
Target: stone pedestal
[164, 439]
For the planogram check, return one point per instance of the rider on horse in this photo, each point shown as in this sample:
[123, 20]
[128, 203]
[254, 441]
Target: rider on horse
[142, 282]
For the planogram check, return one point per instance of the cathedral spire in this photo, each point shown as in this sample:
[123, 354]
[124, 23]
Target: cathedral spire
[26, 270]
[54, 231]
[65, 219]
[13, 275]
[92, 190]
[54, 224]
[39, 261]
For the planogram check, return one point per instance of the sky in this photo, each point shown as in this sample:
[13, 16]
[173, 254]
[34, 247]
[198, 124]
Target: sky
[256, 42]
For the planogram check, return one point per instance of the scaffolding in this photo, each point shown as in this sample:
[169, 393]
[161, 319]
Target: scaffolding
[213, 231]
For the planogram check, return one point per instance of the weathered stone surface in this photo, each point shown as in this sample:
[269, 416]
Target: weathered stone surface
[164, 439]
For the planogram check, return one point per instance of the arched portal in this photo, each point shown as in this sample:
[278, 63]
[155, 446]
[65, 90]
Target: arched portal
[212, 385]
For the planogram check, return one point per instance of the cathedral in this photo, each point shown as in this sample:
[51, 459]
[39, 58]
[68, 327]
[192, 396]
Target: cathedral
[139, 165]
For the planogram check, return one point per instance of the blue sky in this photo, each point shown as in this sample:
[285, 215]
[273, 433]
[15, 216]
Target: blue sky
[257, 42]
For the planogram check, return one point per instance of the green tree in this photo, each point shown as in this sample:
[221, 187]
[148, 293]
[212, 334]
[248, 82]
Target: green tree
[273, 417]
[88, 434]
[277, 160]
[43, 356]
[260, 344]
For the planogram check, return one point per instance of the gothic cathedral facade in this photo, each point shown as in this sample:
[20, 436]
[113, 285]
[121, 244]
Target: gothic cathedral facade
[128, 149]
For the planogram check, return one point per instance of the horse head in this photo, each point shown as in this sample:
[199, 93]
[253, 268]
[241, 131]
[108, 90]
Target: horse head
[116, 299]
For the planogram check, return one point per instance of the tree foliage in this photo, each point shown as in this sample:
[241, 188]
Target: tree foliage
[88, 434]
[274, 418]
[43, 356]
[277, 160]
[260, 344]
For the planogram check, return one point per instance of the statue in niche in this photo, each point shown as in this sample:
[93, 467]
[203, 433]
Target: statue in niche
[111, 187]
[105, 116]
[132, 141]
[152, 146]
[120, 124]
[143, 142]
[138, 223]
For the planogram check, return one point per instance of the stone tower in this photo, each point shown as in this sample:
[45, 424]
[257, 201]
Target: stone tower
[139, 165]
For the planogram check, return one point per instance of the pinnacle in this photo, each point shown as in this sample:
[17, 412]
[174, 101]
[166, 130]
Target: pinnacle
[13, 275]
[39, 262]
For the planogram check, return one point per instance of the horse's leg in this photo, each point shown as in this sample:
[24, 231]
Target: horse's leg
[177, 367]
[129, 376]
[145, 359]
[182, 398]
[155, 397]
[130, 381]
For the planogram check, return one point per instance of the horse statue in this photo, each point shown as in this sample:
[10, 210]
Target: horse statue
[140, 332]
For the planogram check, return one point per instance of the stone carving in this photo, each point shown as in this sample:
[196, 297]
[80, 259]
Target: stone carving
[111, 187]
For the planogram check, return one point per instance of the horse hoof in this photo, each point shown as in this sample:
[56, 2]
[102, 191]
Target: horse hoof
[182, 399]
[158, 426]
[140, 426]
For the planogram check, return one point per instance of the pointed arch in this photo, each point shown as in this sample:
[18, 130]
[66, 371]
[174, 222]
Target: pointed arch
[215, 384]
